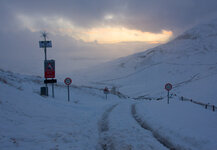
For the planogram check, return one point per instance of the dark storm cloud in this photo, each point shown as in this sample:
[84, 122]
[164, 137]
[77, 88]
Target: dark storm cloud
[169, 14]
[146, 15]
[85, 13]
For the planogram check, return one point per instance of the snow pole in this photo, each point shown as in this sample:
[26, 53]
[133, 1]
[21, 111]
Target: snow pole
[53, 90]
[68, 94]
[168, 97]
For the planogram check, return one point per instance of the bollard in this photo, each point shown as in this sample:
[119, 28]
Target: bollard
[44, 91]
[213, 107]
[182, 98]
[206, 106]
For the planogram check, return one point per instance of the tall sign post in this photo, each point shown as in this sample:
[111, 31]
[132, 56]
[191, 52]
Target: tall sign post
[168, 87]
[68, 81]
[49, 65]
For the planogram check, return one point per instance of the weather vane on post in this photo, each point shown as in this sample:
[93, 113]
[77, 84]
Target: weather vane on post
[49, 66]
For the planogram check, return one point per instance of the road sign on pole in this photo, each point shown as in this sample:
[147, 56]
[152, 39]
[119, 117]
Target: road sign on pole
[49, 69]
[68, 81]
[106, 91]
[45, 44]
[168, 87]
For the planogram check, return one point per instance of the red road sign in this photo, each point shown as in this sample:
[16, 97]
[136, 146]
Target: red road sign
[49, 69]
[168, 86]
[106, 90]
[68, 81]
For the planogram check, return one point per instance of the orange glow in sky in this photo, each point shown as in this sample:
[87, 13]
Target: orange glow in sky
[121, 34]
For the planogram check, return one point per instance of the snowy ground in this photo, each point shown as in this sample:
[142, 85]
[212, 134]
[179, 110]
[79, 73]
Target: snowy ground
[29, 121]
[90, 122]
[185, 125]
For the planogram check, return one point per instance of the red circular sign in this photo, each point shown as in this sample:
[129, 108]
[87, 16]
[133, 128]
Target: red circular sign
[68, 81]
[168, 86]
[106, 90]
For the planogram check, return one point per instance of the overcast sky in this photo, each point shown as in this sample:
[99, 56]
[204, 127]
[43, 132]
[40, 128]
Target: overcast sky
[88, 32]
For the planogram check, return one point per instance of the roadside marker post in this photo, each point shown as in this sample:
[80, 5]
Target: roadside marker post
[68, 81]
[168, 87]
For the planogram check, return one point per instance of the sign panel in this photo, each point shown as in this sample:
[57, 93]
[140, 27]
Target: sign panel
[49, 69]
[43, 44]
[168, 86]
[68, 81]
[50, 81]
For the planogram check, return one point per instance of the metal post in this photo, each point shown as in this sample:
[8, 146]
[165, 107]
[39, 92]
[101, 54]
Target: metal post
[52, 90]
[68, 94]
[45, 54]
[206, 106]
[45, 48]
[168, 97]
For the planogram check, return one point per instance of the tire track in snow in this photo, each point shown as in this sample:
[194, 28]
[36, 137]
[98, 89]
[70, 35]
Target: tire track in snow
[145, 126]
[105, 141]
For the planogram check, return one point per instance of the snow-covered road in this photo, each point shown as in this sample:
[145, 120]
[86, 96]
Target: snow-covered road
[119, 131]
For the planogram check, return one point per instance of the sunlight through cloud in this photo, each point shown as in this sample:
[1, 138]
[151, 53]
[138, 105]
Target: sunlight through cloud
[108, 17]
[102, 35]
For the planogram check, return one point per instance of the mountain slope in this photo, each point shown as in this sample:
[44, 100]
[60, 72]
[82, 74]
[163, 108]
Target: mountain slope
[188, 62]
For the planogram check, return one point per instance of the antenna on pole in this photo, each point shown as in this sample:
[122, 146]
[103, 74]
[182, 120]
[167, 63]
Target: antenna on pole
[44, 34]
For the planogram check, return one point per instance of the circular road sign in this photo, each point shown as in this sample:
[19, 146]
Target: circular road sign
[68, 81]
[106, 90]
[168, 86]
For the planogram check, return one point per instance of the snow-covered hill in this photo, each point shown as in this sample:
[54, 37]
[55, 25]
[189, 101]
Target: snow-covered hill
[139, 119]
[189, 62]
